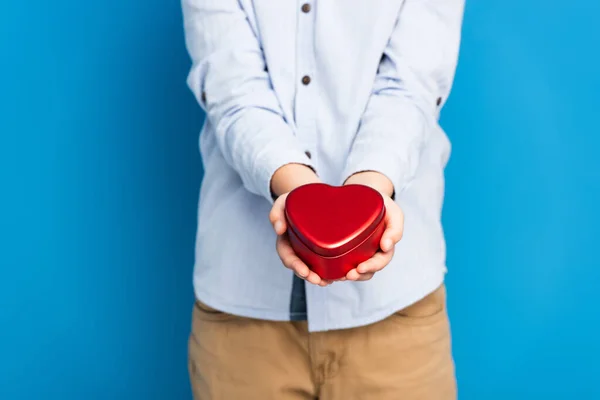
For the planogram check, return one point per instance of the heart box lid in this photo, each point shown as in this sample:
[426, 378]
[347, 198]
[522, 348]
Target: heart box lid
[332, 220]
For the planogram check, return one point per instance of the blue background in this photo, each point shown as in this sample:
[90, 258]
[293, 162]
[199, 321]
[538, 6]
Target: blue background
[99, 175]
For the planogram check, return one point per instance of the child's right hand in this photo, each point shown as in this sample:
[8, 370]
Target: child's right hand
[284, 248]
[284, 180]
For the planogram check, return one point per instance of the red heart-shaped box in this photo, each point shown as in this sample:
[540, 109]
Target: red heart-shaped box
[334, 228]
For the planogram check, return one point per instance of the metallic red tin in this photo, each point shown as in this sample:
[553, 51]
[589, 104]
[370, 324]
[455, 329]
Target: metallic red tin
[333, 229]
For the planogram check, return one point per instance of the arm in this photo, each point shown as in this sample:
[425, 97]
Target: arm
[230, 81]
[415, 74]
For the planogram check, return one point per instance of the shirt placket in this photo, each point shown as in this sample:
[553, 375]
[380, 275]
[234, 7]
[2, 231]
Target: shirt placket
[307, 81]
[306, 118]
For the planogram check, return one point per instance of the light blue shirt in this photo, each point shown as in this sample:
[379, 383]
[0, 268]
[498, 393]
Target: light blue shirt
[343, 86]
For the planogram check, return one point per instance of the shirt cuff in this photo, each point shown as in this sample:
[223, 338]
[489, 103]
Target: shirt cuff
[384, 163]
[269, 162]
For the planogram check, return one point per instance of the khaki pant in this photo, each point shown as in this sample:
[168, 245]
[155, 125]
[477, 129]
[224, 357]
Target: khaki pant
[405, 357]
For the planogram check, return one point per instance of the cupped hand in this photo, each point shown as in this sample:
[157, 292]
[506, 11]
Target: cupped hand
[394, 227]
[284, 248]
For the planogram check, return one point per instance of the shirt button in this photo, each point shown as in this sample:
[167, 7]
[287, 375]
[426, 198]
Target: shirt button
[203, 97]
[308, 154]
[306, 8]
[306, 80]
[439, 101]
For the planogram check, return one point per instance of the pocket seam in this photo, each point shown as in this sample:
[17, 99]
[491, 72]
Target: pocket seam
[439, 313]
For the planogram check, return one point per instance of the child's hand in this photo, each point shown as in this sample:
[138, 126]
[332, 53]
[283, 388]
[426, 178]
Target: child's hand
[394, 223]
[394, 226]
[284, 249]
[284, 180]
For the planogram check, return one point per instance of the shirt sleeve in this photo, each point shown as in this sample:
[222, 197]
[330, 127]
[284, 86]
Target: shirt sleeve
[229, 79]
[413, 81]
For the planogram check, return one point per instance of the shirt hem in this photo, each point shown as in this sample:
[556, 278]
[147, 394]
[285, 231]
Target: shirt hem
[241, 311]
[426, 286]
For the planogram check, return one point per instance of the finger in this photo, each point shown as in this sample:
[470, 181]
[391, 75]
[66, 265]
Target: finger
[394, 227]
[313, 278]
[354, 275]
[289, 258]
[277, 215]
[375, 263]
[291, 261]
[284, 247]
[324, 283]
[300, 269]
[365, 277]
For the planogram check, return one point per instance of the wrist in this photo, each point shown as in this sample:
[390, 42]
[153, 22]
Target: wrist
[291, 176]
[373, 179]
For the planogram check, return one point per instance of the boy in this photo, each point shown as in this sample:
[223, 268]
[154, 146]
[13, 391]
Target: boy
[334, 91]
